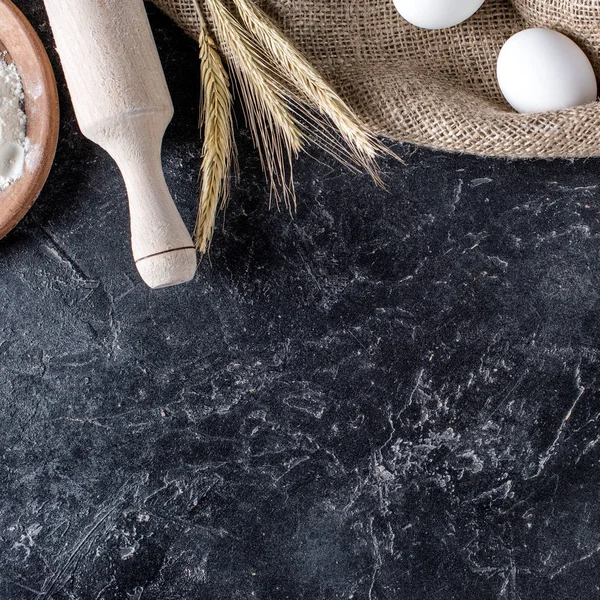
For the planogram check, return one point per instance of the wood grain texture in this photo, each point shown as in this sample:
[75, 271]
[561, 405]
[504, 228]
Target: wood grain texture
[25, 49]
[123, 104]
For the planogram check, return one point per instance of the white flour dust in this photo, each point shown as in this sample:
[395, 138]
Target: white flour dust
[13, 125]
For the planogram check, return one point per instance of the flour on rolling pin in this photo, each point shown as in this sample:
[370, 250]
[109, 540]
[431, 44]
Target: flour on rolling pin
[13, 123]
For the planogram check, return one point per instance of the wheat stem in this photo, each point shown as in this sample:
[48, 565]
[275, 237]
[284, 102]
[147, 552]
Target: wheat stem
[218, 147]
[315, 90]
[275, 130]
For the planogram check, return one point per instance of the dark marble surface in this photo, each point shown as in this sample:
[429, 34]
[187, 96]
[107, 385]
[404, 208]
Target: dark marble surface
[387, 396]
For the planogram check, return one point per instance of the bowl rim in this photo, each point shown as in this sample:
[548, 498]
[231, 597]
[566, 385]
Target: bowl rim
[41, 107]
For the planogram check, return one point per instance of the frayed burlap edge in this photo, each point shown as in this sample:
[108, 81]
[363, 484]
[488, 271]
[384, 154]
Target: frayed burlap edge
[436, 88]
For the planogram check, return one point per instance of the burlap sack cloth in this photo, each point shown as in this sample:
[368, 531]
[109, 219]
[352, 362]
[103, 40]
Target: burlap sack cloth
[437, 88]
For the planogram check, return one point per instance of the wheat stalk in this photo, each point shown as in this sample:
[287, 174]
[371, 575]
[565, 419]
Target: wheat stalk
[298, 71]
[219, 146]
[285, 100]
[275, 130]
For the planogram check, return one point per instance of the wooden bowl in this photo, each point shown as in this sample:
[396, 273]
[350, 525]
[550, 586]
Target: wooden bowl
[26, 51]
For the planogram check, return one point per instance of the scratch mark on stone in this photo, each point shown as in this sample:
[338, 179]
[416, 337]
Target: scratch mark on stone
[61, 254]
[378, 561]
[416, 387]
[21, 585]
[563, 425]
[77, 549]
[457, 195]
[583, 558]
[480, 181]
[509, 394]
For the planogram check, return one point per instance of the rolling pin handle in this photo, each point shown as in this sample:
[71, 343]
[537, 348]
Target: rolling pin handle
[163, 249]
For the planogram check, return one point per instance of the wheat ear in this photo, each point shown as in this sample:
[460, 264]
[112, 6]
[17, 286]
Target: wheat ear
[298, 71]
[218, 148]
[275, 130]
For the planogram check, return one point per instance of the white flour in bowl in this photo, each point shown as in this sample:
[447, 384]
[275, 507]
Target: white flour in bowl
[13, 125]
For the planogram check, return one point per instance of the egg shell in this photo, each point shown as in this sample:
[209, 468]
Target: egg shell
[542, 70]
[437, 14]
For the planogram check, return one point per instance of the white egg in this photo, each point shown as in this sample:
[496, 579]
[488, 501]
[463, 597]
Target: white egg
[437, 14]
[542, 70]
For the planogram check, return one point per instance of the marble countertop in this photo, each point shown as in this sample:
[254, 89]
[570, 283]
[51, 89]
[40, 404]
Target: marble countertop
[389, 395]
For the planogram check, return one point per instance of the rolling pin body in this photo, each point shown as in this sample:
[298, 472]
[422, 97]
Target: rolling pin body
[123, 104]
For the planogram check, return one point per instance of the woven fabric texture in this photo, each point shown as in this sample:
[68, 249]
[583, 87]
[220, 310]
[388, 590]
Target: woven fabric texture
[437, 88]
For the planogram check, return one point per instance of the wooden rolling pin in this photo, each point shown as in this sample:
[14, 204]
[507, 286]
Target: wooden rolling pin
[123, 104]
